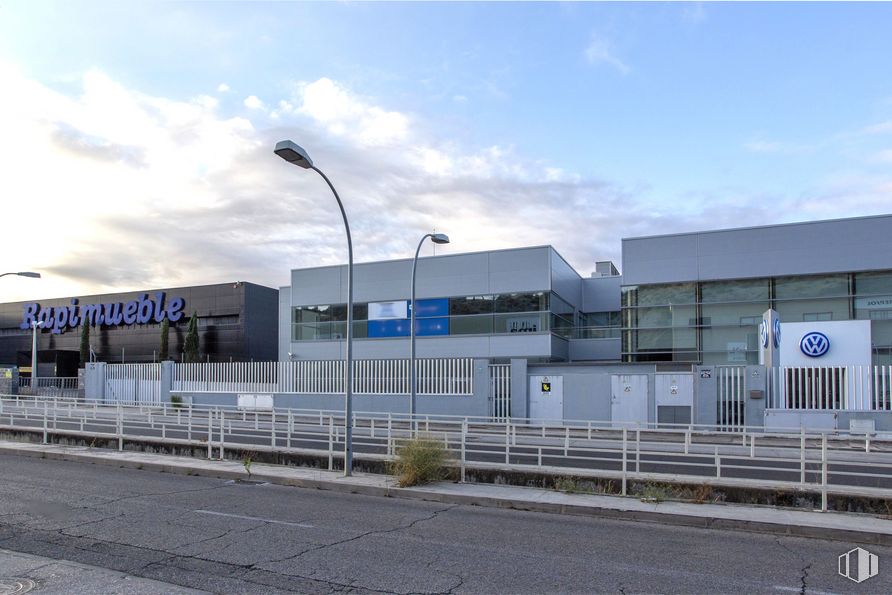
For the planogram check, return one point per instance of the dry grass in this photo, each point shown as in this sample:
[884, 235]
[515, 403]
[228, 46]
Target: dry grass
[419, 461]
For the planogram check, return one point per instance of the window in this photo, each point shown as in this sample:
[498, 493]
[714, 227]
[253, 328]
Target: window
[816, 316]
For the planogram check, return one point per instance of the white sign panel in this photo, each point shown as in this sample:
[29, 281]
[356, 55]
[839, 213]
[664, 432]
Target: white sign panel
[828, 343]
[388, 310]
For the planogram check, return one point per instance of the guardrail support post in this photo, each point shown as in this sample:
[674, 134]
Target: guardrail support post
[752, 446]
[464, 436]
[625, 452]
[222, 425]
[330, 442]
[120, 427]
[802, 455]
[567, 441]
[638, 450]
[823, 472]
[44, 421]
[718, 463]
[210, 431]
[290, 429]
[272, 426]
[507, 443]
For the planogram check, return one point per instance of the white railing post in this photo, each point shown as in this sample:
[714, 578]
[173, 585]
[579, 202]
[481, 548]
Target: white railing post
[802, 455]
[44, 421]
[624, 482]
[507, 443]
[718, 463]
[638, 449]
[290, 429]
[120, 427]
[330, 443]
[222, 438]
[464, 437]
[272, 426]
[210, 431]
[823, 472]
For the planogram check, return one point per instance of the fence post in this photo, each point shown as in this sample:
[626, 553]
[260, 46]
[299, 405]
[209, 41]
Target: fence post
[824, 472]
[210, 431]
[802, 455]
[189, 426]
[625, 431]
[638, 449]
[272, 425]
[718, 463]
[687, 440]
[290, 428]
[566, 441]
[507, 443]
[222, 426]
[45, 415]
[464, 436]
[330, 442]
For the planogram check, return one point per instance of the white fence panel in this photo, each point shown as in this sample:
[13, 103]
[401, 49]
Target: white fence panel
[730, 386]
[500, 391]
[137, 384]
[830, 388]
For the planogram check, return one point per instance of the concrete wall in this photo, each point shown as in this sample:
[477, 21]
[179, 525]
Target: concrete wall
[842, 245]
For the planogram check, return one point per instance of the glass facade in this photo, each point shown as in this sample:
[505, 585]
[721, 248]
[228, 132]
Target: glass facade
[528, 312]
[717, 322]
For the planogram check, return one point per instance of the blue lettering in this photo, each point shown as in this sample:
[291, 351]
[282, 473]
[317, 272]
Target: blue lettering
[29, 316]
[92, 314]
[72, 314]
[144, 312]
[130, 312]
[159, 307]
[61, 320]
[46, 317]
[112, 314]
[175, 309]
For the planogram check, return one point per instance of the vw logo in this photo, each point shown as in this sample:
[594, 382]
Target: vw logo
[777, 334]
[814, 344]
[763, 333]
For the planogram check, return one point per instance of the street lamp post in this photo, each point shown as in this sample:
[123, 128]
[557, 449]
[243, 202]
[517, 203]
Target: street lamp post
[436, 238]
[34, 325]
[292, 153]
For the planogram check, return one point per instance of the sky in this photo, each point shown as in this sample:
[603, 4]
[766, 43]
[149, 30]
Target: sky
[136, 137]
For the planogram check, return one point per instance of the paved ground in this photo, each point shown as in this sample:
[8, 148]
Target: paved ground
[220, 536]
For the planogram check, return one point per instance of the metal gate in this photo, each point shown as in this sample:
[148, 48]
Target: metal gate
[730, 399]
[500, 391]
[133, 384]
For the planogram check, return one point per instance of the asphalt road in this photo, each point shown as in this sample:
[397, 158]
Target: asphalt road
[236, 538]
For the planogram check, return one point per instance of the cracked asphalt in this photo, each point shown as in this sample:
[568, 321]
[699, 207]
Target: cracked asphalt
[224, 537]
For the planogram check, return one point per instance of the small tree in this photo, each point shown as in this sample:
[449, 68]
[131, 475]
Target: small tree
[191, 344]
[165, 338]
[85, 343]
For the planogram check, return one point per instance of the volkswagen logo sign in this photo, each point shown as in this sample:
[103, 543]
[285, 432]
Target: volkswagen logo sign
[763, 333]
[814, 344]
[777, 334]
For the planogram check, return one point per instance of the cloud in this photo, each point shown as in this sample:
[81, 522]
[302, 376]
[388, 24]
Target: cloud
[253, 102]
[222, 88]
[879, 128]
[599, 51]
[134, 191]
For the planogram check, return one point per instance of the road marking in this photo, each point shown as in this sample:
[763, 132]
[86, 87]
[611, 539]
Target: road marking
[799, 590]
[254, 518]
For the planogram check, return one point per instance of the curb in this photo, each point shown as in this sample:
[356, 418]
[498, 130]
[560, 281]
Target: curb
[429, 495]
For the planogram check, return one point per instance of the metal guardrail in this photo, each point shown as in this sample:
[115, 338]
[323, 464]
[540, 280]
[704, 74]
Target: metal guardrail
[816, 462]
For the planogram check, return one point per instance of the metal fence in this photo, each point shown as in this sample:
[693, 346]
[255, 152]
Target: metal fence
[500, 391]
[830, 388]
[731, 399]
[137, 384]
[825, 463]
[433, 377]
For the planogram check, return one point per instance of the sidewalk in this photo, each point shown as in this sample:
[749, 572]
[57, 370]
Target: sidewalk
[22, 573]
[826, 525]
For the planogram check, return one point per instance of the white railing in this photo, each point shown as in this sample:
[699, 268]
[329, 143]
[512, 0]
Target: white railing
[370, 377]
[828, 462]
[830, 388]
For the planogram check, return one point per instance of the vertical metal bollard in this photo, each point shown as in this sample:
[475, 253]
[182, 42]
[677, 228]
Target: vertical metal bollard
[687, 440]
[464, 436]
[507, 443]
[625, 452]
[752, 446]
[210, 431]
[823, 472]
[189, 429]
[567, 441]
[637, 450]
[718, 463]
[290, 429]
[45, 414]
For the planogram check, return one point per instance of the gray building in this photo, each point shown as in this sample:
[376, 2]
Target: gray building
[699, 297]
[520, 303]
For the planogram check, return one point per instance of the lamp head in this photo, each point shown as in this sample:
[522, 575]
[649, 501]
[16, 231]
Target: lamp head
[293, 153]
[439, 238]
[29, 274]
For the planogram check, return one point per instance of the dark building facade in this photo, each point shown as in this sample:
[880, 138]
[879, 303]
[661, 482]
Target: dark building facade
[236, 322]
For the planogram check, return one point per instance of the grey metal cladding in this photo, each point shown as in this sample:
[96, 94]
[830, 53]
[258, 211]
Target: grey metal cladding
[479, 273]
[841, 245]
[565, 281]
[601, 294]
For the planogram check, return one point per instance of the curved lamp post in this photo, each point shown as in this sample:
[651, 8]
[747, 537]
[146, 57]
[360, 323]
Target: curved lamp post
[436, 238]
[293, 153]
[24, 274]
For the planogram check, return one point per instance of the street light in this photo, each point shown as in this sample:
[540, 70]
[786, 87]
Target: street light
[34, 325]
[24, 274]
[436, 238]
[292, 153]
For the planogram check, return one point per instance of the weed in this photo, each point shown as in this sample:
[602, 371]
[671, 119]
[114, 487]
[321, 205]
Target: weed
[566, 484]
[420, 460]
[176, 401]
[247, 460]
[701, 494]
[654, 492]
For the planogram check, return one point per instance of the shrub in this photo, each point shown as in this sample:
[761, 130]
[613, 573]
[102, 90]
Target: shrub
[176, 401]
[420, 460]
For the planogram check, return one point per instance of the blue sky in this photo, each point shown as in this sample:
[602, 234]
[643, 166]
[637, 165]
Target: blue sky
[503, 124]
